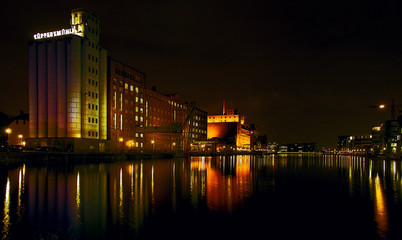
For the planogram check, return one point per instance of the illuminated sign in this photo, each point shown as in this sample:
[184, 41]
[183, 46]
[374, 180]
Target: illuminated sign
[58, 33]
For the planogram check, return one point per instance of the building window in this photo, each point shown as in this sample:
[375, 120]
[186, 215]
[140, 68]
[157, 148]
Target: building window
[121, 121]
[114, 121]
[136, 90]
[114, 100]
[126, 86]
[89, 120]
[121, 101]
[89, 106]
[89, 133]
[131, 88]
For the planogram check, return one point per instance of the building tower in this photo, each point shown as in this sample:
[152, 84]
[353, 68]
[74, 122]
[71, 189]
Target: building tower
[67, 87]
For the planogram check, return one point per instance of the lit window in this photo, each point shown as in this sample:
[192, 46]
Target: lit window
[141, 101]
[121, 101]
[136, 144]
[136, 134]
[136, 109]
[126, 86]
[114, 100]
[136, 99]
[141, 119]
[136, 90]
[136, 118]
[114, 121]
[131, 88]
[121, 121]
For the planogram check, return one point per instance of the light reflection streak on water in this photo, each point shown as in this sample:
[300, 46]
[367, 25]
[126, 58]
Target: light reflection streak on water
[6, 218]
[21, 187]
[78, 198]
[381, 214]
[121, 193]
[152, 188]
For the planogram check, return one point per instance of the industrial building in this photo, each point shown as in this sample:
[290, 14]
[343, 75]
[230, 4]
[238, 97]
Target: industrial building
[231, 130]
[82, 100]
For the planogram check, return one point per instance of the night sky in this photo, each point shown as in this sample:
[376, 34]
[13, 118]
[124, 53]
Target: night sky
[304, 71]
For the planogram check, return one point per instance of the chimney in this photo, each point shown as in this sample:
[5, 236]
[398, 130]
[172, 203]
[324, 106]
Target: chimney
[224, 107]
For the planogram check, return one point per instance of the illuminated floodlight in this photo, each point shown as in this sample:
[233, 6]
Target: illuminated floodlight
[8, 130]
[382, 106]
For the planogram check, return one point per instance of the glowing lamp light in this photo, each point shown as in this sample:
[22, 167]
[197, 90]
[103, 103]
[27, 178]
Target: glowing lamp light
[121, 139]
[8, 130]
[152, 141]
[20, 136]
[382, 106]
[78, 135]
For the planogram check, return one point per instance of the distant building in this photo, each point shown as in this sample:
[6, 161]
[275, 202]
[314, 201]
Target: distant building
[378, 144]
[392, 136]
[355, 144]
[19, 130]
[296, 147]
[230, 127]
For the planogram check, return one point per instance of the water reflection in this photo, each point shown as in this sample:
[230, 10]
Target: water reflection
[6, 212]
[381, 215]
[102, 200]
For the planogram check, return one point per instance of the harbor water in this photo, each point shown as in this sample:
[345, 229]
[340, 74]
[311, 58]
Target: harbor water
[223, 197]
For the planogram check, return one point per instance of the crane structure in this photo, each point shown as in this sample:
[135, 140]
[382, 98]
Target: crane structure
[182, 130]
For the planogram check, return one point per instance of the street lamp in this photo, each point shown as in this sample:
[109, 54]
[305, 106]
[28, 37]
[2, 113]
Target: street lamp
[153, 144]
[8, 131]
[20, 138]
